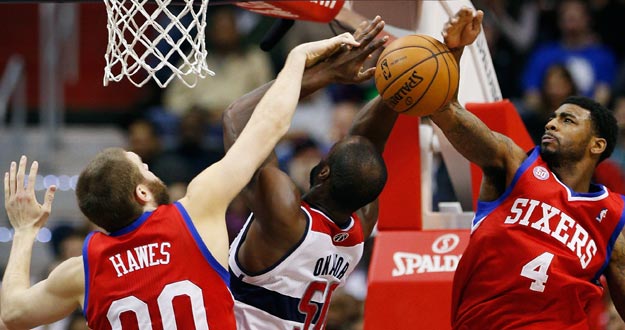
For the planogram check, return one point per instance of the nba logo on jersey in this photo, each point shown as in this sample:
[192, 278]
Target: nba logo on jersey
[601, 215]
[340, 237]
[541, 173]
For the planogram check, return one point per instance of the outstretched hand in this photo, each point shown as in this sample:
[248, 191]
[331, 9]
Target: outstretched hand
[319, 50]
[347, 65]
[20, 202]
[463, 28]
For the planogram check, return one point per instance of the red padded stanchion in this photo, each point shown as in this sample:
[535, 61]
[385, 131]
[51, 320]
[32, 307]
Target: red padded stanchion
[410, 279]
[400, 201]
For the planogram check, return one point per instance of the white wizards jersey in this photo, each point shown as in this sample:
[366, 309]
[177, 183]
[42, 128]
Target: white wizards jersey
[294, 294]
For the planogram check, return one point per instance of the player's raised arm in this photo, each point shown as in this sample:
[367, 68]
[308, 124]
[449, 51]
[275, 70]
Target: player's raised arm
[24, 306]
[269, 122]
[275, 200]
[344, 67]
[492, 151]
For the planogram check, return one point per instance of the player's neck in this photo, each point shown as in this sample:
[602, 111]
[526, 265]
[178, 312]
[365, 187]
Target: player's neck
[577, 177]
[340, 218]
[149, 207]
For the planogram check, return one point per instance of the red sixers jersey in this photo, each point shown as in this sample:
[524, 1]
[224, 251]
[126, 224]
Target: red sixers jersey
[536, 254]
[155, 274]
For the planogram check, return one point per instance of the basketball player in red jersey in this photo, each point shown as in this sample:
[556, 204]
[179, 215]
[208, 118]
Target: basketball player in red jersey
[543, 233]
[160, 265]
[295, 250]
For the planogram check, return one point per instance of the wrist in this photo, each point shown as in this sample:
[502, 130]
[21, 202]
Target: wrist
[25, 233]
[314, 79]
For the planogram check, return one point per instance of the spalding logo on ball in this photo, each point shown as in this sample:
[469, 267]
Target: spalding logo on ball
[416, 75]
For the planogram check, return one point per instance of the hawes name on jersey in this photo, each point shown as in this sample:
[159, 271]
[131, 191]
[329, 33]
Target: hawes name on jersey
[555, 223]
[140, 257]
[333, 265]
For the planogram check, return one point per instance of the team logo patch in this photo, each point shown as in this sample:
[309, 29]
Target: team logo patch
[340, 237]
[445, 243]
[602, 215]
[541, 173]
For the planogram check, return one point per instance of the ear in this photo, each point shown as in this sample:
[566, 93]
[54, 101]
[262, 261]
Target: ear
[142, 194]
[324, 173]
[597, 146]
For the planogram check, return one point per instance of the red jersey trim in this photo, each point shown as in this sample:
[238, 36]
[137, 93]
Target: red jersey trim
[350, 236]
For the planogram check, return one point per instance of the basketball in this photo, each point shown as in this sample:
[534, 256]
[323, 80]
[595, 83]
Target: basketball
[416, 75]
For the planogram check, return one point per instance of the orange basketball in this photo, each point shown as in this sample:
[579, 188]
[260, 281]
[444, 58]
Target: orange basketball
[416, 75]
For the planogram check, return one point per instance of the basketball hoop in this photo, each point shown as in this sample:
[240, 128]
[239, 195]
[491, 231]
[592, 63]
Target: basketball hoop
[141, 46]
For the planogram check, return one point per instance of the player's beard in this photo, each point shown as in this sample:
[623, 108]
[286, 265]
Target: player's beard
[558, 157]
[551, 157]
[159, 191]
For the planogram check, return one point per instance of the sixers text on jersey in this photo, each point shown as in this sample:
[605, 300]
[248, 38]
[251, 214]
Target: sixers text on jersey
[579, 242]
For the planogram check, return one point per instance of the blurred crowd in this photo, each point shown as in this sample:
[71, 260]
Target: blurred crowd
[542, 50]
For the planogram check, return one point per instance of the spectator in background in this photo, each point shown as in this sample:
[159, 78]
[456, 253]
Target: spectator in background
[557, 85]
[238, 68]
[608, 15]
[144, 140]
[591, 64]
[342, 118]
[618, 106]
[510, 29]
[306, 154]
[517, 21]
[345, 310]
[192, 148]
[67, 241]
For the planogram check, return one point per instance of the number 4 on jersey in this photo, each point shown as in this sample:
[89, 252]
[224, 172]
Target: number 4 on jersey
[537, 270]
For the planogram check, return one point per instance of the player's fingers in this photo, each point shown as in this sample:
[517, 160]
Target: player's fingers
[377, 44]
[6, 190]
[359, 30]
[365, 75]
[348, 39]
[373, 25]
[47, 203]
[371, 31]
[465, 11]
[446, 27]
[12, 170]
[32, 176]
[477, 20]
[21, 171]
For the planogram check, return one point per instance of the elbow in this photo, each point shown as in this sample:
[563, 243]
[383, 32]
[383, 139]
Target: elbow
[282, 126]
[228, 116]
[11, 319]
[12, 313]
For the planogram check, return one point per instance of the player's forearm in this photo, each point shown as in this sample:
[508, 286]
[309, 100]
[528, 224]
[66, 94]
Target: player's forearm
[278, 104]
[375, 122]
[469, 135]
[16, 278]
[615, 278]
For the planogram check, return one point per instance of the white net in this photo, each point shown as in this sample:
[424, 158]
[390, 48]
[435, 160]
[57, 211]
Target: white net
[156, 40]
